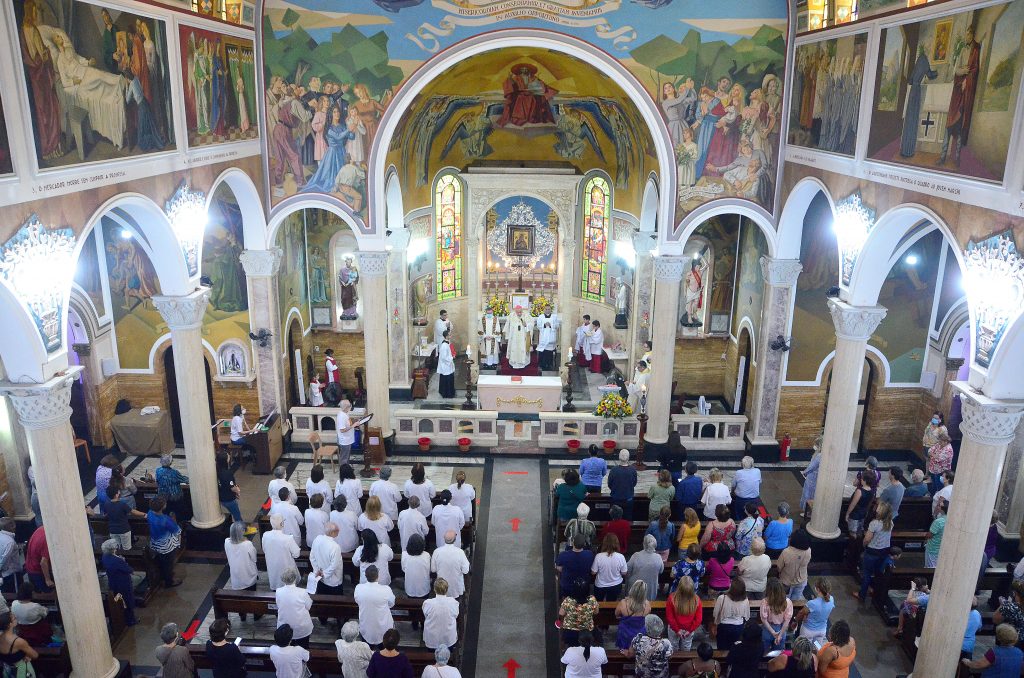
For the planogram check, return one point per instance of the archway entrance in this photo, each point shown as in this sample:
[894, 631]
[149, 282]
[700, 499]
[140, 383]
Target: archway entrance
[743, 372]
[172, 394]
[291, 371]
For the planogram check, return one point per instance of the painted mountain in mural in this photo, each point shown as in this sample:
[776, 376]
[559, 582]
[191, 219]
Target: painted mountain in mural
[746, 59]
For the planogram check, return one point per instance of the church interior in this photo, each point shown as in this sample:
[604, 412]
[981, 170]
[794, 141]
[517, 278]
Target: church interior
[685, 306]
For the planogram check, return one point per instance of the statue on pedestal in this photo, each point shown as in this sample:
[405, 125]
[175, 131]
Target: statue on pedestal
[622, 306]
[348, 277]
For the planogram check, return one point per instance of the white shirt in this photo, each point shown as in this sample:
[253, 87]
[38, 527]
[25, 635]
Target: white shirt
[324, 488]
[352, 490]
[281, 551]
[754, 572]
[375, 602]
[578, 667]
[417, 574]
[424, 491]
[440, 614]
[432, 671]
[439, 327]
[596, 342]
[389, 496]
[445, 359]
[354, 657]
[463, 498]
[450, 563]
[545, 335]
[446, 518]
[945, 493]
[316, 396]
[316, 525]
[293, 606]
[237, 428]
[289, 660]
[345, 437]
[11, 561]
[380, 527]
[241, 564]
[715, 494]
[610, 569]
[348, 533]
[274, 488]
[410, 522]
[325, 555]
[292, 519]
[384, 556]
[581, 337]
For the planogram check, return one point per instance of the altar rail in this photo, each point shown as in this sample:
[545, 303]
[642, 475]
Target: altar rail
[445, 427]
[556, 428]
[307, 420]
[711, 431]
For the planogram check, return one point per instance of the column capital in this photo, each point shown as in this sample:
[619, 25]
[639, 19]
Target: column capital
[373, 264]
[855, 322]
[987, 421]
[780, 272]
[42, 406]
[183, 312]
[669, 268]
[261, 263]
[954, 364]
[82, 349]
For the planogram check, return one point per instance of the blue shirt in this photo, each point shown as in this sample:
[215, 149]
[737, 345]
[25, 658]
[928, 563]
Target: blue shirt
[169, 482]
[663, 537]
[574, 565]
[776, 534]
[622, 482]
[1006, 662]
[916, 490]
[818, 613]
[689, 490]
[684, 568]
[973, 624]
[592, 471]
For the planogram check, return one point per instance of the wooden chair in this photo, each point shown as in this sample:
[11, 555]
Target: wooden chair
[85, 446]
[320, 450]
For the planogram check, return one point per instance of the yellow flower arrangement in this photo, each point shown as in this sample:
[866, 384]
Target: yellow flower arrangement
[613, 406]
[498, 305]
[539, 305]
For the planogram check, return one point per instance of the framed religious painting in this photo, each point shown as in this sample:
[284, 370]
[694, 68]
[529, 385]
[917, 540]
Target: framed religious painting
[520, 241]
[940, 46]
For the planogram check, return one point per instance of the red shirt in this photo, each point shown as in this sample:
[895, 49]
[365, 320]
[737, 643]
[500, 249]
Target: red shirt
[620, 528]
[677, 621]
[37, 550]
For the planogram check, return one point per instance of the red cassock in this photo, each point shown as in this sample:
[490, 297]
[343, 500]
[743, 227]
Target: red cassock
[332, 374]
[523, 106]
[595, 363]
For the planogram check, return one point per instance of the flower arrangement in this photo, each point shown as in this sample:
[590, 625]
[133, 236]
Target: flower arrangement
[613, 406]
[539, 305]
[499, 305]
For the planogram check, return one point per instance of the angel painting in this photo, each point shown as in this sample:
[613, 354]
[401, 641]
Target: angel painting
[574, 134]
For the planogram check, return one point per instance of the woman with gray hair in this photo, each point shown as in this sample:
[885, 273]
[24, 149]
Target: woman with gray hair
[173, 656]
[646, 566]
[169, 483]
[280, 480]
[241, 559]
[353, 653]
[651, 650]
[746, 487]
[293, 603]
[440, 668]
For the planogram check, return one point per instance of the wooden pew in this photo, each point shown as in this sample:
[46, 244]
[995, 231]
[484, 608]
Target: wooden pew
[302, 500]
[323, 661]
[620, 665]
[113, 609]
[915, 513]
[606, 611]
[139, 556]
[994, 579]
[147, 489]
[302, 562]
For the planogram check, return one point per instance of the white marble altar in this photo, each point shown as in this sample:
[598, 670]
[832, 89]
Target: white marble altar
[529, 396]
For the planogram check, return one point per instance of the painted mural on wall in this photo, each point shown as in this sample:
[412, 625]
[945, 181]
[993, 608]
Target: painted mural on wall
[712, 253]
[97, 79]
[291, 281]
[706, 66]
[749, 279]
[218, 74]
[827, 84]
[88, 274]
[947, 91]
[6, 161]
[132, 281]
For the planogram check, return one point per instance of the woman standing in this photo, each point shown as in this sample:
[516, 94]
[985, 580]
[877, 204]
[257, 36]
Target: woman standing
[749, 529]
[836, 657]
[732, 611]
[720, 568]
[814, 616]
[935, 426]
[610, 567]
[859, 503]
[227, 489]
[375, 520]
[463, 495]
[793, 564]
[371, 552]
[810, 475]
[661, 494]
[420, 486]
[416, 567]
[663, 532]
[744, 657]
[647, 566]
[577, 611]
[689, 530]
[388, 662]
[241, 560]
[715, 493]
[16, 654]
[568, 495]
[940, 459]
[630, 613]
[352, 489]
[651, 651]
[776, 612]
[584, 660]
[718, 531]
[684, 612]
[316, 484]
[876, 547]
[440, 614]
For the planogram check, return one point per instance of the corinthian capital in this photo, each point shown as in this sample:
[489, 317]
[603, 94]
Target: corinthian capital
[987, 421]
[41, 406]
[184, 312]
[855, 322]
[261, 263]
[780, 272]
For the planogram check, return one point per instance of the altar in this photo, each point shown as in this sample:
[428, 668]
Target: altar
[529, 396]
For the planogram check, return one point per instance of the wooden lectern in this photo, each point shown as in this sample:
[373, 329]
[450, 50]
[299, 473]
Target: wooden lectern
[373, 450]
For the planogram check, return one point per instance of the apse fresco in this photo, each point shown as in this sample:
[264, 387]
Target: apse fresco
[749, 279]
[98, 81]
[88, 274]
[947, 91]
[827, 83]
[343, 63]
[291, 281]
[132, 282]
[218, 74]
[6, 162]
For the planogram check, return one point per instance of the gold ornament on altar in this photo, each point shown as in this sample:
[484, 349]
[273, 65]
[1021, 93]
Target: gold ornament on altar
[518, 400]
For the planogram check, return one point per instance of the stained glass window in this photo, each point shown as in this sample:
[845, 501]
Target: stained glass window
[448, 213]
[596, 210]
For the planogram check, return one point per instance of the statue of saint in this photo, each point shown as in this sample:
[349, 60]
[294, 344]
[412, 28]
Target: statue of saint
[348, 278]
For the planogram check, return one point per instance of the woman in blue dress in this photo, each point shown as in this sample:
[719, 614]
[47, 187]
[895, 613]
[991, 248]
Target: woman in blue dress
[915, 96]
[709, 113]
[326, 177]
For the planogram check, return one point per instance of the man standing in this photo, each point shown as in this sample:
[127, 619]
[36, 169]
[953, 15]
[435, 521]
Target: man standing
[325, 559]
[961, 101]
[290, 514]
[489, 331]
[387, 492]
[546, 339]
[581, 340]
[518, 332]
[622, 484]
[441, 325]
[450, 563]
[595, 347]
[893, 494]
[637, 387]
[333, 376]
[375, 602]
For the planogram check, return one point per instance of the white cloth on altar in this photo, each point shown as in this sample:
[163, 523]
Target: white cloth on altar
[489, 340]
[518, 333]
[547, 333]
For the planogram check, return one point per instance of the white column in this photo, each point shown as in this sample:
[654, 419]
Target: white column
[988, 427]
[567, 308]
[399, 371]
[780, 277]
[44, 411]
[1010, 504]
[261, 270]
[184, 317]
[668, 273]
[854, 325]
[373, 267]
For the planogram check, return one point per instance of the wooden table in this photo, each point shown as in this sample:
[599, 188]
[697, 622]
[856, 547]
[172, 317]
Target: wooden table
[527, 395]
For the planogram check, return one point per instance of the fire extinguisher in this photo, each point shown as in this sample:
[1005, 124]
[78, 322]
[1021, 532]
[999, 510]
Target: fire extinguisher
[784, 448]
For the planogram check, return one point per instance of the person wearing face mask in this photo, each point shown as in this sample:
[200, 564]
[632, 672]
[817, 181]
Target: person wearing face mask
[239, 429]
[936, 426]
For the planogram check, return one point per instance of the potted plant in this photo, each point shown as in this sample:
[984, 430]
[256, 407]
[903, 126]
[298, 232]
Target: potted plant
[613, 406]
[573, 445]
[424, 444]
[609, 446]
[464, 444]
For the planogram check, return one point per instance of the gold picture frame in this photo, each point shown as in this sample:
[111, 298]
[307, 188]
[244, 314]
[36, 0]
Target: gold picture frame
[943, 38]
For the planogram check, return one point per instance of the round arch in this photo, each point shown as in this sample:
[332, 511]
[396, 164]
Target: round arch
[209, 354]
[749, 210]
[82, 306]
[518, 37]
[395, 212]
[791, 223]
[950, 325]
[563, 219]
[649, 206]
[254, 223]
[293, 205]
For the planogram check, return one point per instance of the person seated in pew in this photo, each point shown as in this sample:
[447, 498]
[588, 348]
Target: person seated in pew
[349, 487]
[316, 519]
[376, 520]
[175, 660]
[575, 562]
[316, 484]
[388, 662]
[353, 654]
[917, 486]
[689, 565]
[650, 650]
[225, 658]
[327, 563]
[375, 601]
[241, 556]
[388, 493]
[280, 480]
[451, 563]
[441, 616]
[31, 617]
[586, 528]
[704, 666]
[373, 553]
[416, 568]
[119, 578]
[917, 598]
[348, 524]
[290, 513]
[646, 565]
[1005, 659]
[293, 605]
[289, 660]
[581, 661]
[118, 512]
[280, 551]
[16, 653]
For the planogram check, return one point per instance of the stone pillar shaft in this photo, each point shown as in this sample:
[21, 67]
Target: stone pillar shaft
[373, 267]
[567, 308]
[1010, 504]
[854, 325]
[184, 318]
[261, 270]
[45, 412]
[988, 427]
[399, 373]
[668, 273]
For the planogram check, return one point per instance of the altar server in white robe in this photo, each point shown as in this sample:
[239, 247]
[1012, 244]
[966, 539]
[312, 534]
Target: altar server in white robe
[441, 325]
[594, 346]
[446, 367]
[451, 564]
[447, 517]
[547, 337]
[280, 480]
[489, 330]
[519, 335]
[641, 375]
[581, 341]
[280, 551]
[441, 614]
[375, 602]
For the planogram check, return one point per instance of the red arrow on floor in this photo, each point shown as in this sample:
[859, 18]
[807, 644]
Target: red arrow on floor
[190, 632]
[515, 524]
[516, 473]
[511, 665]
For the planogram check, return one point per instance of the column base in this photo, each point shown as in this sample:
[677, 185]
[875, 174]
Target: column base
[823, 535]
[829, 549]
[118, 669]
[206, 538]
[652, 439]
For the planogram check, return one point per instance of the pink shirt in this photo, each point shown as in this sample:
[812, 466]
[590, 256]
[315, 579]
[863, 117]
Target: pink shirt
[719, 573]
[940, 458]
[772, 618]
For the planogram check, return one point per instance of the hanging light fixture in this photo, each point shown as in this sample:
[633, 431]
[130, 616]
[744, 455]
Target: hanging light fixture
[852, 224]
[186, 210]
[994, 281]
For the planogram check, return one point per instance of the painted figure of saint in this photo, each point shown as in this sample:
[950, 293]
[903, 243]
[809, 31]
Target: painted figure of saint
[317, 277]
[527, 98]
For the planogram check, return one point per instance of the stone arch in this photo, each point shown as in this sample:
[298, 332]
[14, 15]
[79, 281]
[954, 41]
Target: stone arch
[254, 223]
[791, 223]
[299, 203]
[649, 206]
[740, 208]
[959, 314]
[395, 210]
[81, 305]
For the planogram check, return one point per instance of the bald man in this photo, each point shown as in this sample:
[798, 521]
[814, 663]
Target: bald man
[450, 563]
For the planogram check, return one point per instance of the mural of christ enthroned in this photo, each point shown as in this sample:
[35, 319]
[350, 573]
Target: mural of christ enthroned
[527, 98]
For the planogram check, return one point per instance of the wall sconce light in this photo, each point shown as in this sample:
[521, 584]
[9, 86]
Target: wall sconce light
[994, 281]
[38, 264]
[186, 210]
[852, 224]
